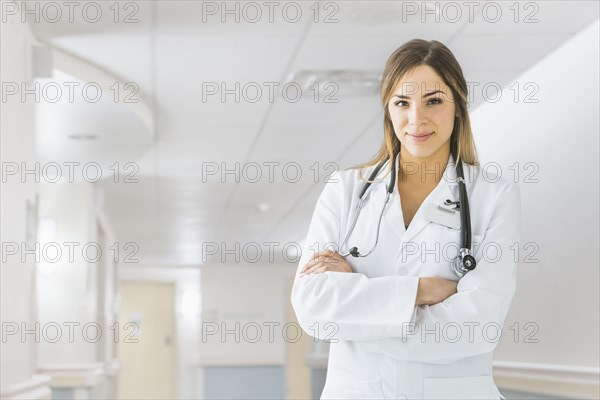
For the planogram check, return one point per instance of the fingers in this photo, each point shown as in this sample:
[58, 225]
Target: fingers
[318, 268]
[317, 258]
[328, 256]
[325, 260]
[314, 265]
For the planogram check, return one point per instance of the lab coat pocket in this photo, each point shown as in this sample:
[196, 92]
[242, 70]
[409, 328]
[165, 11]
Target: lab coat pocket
[342, 385]
[470, 387]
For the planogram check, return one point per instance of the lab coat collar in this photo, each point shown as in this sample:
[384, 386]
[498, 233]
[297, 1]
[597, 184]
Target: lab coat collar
[447, 188]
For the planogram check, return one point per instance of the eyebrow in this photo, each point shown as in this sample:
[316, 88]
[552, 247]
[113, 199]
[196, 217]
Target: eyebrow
[401, 96]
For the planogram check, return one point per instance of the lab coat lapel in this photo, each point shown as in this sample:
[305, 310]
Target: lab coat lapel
[447, 188]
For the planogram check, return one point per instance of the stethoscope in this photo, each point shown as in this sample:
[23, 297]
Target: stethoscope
[464, 261]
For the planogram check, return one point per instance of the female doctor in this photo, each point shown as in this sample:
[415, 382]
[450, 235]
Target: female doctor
[412, 310]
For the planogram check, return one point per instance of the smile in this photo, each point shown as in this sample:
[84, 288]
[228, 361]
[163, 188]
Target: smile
[421, 137]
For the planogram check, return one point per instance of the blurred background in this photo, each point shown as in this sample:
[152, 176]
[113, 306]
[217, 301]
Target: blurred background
[161, 161]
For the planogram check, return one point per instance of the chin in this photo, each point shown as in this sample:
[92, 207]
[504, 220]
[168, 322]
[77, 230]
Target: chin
[420, 154]
[419, 151]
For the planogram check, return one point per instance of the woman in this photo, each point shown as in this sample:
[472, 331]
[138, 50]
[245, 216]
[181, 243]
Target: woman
[402, 323]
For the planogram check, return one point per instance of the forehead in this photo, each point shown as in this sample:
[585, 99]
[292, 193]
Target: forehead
[420, 79]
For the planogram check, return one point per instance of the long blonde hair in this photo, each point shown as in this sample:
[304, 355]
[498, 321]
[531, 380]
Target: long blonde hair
[436, 55]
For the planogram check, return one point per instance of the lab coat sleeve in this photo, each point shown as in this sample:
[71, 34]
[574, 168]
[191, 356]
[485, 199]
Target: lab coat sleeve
[469, 322]
[341, 305]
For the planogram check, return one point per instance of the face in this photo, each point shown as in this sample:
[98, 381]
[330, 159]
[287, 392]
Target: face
[422, 111]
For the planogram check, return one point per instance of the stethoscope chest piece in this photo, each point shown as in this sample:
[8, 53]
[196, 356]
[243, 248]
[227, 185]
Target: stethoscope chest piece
[463, 263]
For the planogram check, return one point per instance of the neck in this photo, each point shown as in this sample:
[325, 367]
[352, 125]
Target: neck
[423, 170]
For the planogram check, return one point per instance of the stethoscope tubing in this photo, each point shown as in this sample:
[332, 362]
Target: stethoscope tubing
[465, 247]
[465, 217]
[390, 189]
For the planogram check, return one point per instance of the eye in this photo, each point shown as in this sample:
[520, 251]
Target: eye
[437, 100]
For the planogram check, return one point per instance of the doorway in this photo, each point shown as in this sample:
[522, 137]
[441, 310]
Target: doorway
[146, 341]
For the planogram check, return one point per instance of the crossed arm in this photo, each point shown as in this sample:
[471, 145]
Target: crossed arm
[430, 290]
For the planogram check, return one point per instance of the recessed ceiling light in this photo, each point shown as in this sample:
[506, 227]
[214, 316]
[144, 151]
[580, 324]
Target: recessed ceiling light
[348, 82]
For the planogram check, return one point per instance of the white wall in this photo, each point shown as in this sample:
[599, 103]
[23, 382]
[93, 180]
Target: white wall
[67, 288]
[560, 134]
[76, 292]
[246, 331]
[45, 294]
[247, 294]
[18, 369]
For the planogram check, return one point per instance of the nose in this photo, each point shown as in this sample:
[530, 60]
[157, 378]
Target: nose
[417, 115]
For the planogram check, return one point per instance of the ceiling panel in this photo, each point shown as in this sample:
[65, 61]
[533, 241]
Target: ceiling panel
[521, 19]
[475, 51]
[220, 54]
[378, 19]
[208, 18]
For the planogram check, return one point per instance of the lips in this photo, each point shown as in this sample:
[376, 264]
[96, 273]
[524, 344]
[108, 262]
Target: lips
[419, 134]
[420, 137]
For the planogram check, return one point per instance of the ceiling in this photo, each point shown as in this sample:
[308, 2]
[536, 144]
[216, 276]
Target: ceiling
[176, 47]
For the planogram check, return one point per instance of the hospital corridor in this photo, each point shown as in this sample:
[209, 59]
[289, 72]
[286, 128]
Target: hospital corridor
[304, 199]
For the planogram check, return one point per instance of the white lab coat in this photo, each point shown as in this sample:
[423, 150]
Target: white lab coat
[383, 346]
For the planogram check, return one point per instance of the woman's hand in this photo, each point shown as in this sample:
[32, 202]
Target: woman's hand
[433, 290]
[326, 260]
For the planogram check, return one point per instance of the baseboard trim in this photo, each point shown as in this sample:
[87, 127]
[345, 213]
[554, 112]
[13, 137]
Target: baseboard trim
[35, 388]
[549, 379]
